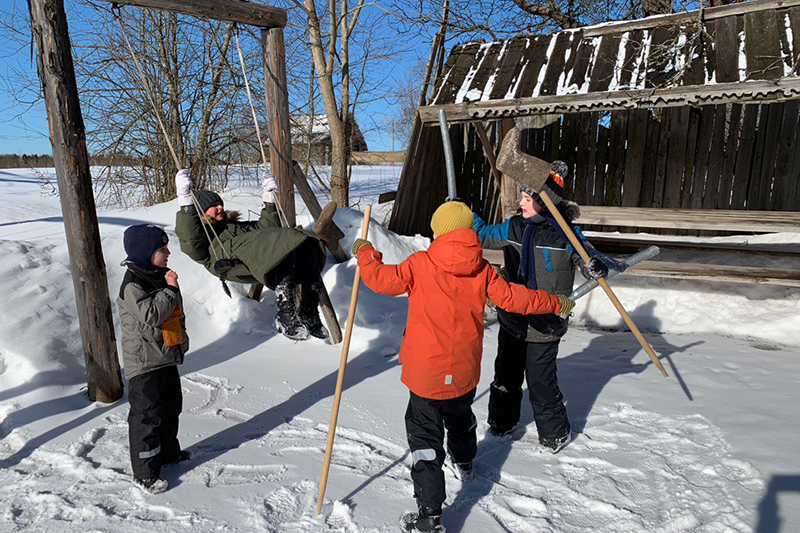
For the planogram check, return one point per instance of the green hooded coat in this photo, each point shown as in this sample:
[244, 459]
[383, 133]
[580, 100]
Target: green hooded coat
[260, 244]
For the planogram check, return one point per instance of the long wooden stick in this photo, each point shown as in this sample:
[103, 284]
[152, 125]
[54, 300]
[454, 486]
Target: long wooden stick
[611, 296]
[337, 398]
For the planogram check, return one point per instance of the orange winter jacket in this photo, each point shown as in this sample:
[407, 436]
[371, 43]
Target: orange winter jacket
[447, 288]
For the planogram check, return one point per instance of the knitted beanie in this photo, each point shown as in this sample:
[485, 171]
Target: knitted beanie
[450, 216]
[206, 199]
[140, 242]
[553, 186]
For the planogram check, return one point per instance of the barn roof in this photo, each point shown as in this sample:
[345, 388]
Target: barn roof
[741, 52]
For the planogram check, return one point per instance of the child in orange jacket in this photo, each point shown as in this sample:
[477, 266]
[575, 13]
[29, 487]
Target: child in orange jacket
[443, 344]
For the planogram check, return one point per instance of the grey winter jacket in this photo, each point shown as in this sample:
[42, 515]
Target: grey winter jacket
[145, 303]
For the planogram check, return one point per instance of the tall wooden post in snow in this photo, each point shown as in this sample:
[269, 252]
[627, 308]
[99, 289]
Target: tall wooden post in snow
[280, 146]
[68, 138]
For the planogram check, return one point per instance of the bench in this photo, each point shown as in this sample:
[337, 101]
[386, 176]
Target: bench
[698, 267]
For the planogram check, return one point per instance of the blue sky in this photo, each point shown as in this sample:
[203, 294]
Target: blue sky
[23, 127]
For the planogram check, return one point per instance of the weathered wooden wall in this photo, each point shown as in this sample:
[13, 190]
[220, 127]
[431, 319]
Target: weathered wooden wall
[727, 156]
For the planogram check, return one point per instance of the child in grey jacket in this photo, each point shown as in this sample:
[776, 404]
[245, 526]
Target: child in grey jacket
[154, 342]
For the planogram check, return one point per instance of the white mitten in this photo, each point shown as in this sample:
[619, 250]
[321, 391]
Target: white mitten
[183, 186]
[270, 188]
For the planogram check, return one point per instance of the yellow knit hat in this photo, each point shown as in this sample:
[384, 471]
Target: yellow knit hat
[450, 216]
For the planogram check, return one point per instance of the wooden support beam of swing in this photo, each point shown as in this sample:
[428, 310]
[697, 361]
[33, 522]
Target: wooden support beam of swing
[260, 15]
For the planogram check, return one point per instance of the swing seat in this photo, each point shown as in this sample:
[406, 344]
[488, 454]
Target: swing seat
[231, 267]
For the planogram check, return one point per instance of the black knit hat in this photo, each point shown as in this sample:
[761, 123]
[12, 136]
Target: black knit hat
[141, 242]
[206, 199]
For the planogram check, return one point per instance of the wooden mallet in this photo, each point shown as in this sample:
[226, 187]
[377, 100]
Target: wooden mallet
[533, 173]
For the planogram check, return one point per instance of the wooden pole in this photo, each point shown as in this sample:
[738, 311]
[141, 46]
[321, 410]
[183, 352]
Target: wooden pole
[489, 152]
[342, 364]
[250, 13]
[280, 146]
[71, 159]
[603, 283]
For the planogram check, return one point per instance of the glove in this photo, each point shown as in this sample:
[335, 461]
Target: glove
[358, 244]
[270, 188]
[595, 269]
[566, 306]
[183, 186]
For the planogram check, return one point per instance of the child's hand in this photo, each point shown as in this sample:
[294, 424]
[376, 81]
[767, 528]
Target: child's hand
[566, 306]
[172, 278]
[183, 186]
[269, 187]
[358, 244]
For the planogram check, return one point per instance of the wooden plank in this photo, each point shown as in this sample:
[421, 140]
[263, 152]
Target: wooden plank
[761, 182]
[726, 45]
[741, 221]
[705, 272]
[616, 158]
[261, 15]
[536, 59]
[744, 157]
[556, 63]
[594, 197]
[361, 158]
[582, 159]
[716, 155]
[590, 177]
[768, 91]
[676, 156]
[688, 185]
[460, 62]
[661, 159]
[753, 192]
[729, 160]
[604, 63]
[783, 190]
[709, 14]
[660, 57]
[704, 138]
[695, 50]
[625, 245]
[488, 66]
[762, 45]
[583, 62]
[633, 49]
[649, 165]
[781, 17]
[509, 68]
[794, 19]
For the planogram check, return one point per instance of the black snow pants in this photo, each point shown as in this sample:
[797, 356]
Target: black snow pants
[536, 362]
[156, 402]
[301, 266]
[426, 421]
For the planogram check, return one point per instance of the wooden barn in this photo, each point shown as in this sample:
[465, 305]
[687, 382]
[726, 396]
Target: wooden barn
[311, 138]
[671, 114]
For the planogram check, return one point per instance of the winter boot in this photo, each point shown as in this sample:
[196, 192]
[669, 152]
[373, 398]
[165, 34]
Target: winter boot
[286, 320]
[152, 485]
[309, 312]
[557, 444]
[183, 455]
[426, 520]
[464, 471]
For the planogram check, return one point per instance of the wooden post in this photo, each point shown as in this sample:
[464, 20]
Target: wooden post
[280, 146]
[71, 158]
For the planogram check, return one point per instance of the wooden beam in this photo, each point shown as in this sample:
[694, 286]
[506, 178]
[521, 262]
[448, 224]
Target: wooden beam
[360, 158]
[750, 91]
[71, 159]
[710, 13]
[739, 221]
[276, 93]
[260, 15]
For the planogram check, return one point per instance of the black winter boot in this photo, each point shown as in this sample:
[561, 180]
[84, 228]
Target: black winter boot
[309, 312]
[426, 520]
[286, 320]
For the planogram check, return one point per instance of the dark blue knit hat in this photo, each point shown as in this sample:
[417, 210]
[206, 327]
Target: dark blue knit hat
[141, 242]
[206, 199]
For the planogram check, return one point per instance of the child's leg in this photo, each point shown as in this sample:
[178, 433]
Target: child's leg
[505, 394]
[462, 443]
[172, 407]
[144, 419]
[425, 432]
[546, 399]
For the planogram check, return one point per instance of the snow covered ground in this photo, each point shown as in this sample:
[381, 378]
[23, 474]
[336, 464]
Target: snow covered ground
[710, 449]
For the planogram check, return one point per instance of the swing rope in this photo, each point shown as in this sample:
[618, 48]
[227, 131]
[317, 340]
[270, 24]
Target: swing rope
[150, 98]
[284, 222]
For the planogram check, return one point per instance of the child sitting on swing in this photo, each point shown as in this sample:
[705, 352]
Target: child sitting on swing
[283, 259]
